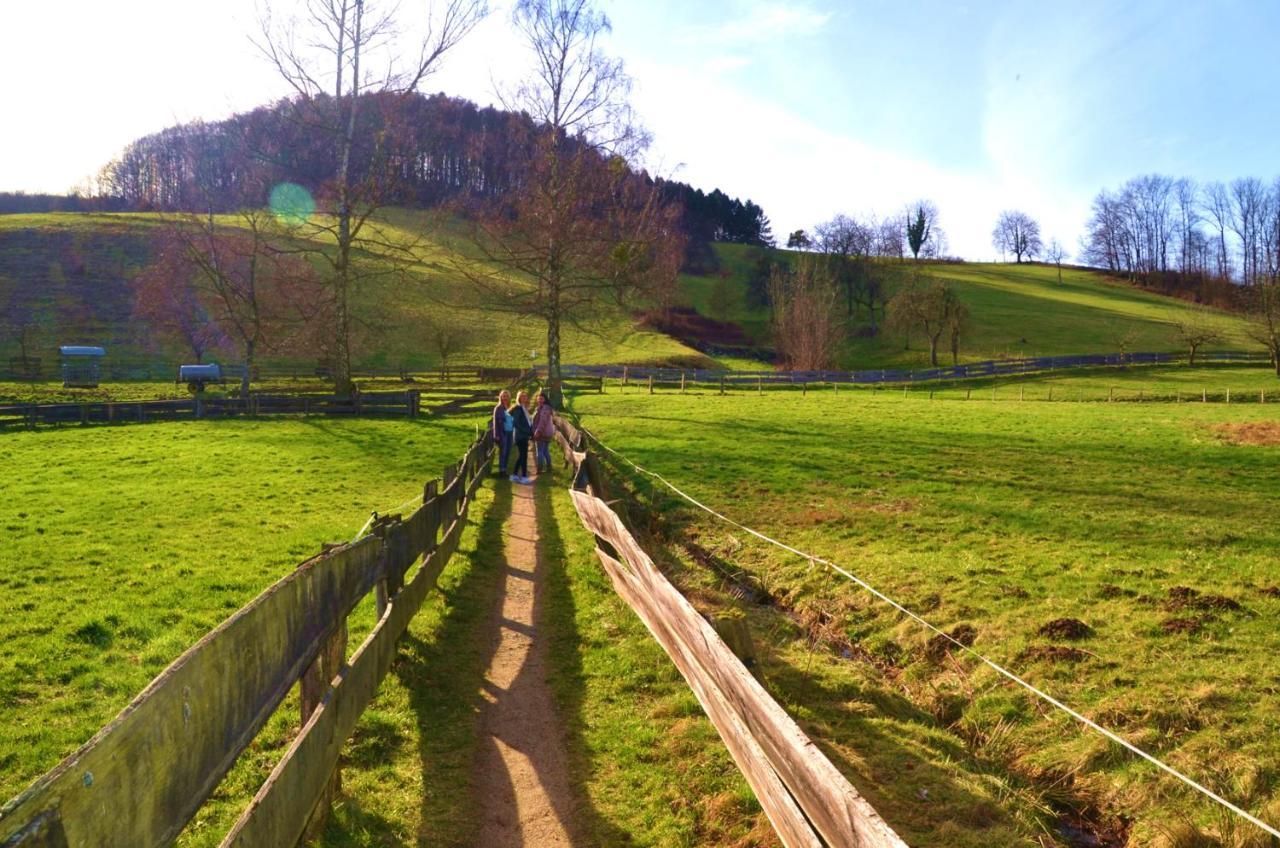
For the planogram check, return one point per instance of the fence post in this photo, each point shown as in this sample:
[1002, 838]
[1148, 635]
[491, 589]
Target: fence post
[624, 376]
[681, 382]
[1262, 395]
[759, 385]
[1022, 393]
[721, 384]
[650, 384]
[1204, 395]
[804, 388]
[1051, 393]
[414, 402]
[1228, 394]
[1111, 398]
[313, 685]
[968, 392]
[1140, 397]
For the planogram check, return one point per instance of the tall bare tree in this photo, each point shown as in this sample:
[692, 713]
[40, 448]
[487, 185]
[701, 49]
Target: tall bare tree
[1264, 316]
[847, 243]
[583, 227]
[1055, 254]
[338, 56]
[1017, 233]
[804, 318]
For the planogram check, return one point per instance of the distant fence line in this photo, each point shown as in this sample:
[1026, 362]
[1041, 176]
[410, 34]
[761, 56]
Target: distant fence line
[132, 371]
[971, 370]
[143, 777]
[806, 798]
[376, 404]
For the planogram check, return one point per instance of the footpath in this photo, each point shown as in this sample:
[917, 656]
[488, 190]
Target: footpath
[520, 771]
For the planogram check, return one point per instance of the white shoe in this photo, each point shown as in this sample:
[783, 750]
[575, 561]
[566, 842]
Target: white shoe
[514, 478]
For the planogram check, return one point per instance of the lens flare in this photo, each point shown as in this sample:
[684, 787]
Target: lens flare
[292, 203]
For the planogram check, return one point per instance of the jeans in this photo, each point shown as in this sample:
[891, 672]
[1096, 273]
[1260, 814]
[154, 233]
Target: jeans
[504, 452]
[522, 461]
[544, 454]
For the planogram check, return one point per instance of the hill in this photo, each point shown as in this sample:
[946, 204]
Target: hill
[1015, 310]
[79, 265]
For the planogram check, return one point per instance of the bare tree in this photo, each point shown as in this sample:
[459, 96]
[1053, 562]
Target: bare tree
[1017, 233]
[326, 55]
[934, 309]
[847, 243]
[260, 296]
[1195, 328]
[1264, 319]
[1248, 199]
[23, 318]
[1055, 254]
[581, 228]
[804, 319]
[446, 338]
[1217, 203]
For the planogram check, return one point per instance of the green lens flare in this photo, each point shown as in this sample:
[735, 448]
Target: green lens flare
[292, 203]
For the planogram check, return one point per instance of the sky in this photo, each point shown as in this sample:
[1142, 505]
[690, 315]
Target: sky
[809, 108]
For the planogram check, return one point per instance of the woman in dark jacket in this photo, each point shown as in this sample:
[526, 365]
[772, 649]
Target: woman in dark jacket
[523, 433]
[501, 427]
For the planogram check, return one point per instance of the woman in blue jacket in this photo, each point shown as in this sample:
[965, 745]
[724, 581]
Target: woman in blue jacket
[523, 426]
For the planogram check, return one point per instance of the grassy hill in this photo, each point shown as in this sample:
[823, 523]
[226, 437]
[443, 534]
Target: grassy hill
[81, 263]
[1016, 310]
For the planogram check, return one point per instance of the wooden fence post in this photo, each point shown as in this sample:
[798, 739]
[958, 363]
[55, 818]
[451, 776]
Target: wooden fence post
[1228, 394]
[650, 384]
[313, 685]
[1140, 396]
[1022, 392]
[1204, 395]
[1051, 393]
[804, 388]
[681, 382]
[1111, 398]
[759, 385]
[968, 392]
[624, 375]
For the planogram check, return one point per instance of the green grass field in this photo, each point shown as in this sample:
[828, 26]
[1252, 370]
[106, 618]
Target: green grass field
[124, 545]
[1148, 524]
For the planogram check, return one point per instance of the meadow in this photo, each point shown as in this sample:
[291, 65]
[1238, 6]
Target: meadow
[124, 545]
[1120, 556]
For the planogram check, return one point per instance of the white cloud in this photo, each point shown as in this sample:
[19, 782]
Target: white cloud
[760, 22]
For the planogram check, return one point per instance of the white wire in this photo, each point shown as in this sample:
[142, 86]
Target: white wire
[373, 515]
[1088, 722]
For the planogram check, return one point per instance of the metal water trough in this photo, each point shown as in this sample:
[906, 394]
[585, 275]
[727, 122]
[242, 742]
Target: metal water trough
[81, 366]
[198, 376]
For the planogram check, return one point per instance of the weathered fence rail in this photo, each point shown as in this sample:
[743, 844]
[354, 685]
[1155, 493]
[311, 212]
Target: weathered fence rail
[972, 370]
[143, 776]
[808, 801]
[408, 404]
[143, 370]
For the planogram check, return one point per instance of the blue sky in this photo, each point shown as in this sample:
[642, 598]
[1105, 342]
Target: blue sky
[810, 108]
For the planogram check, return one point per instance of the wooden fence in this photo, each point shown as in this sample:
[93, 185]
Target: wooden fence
[808, 801]
[143, 776]
[121, 412]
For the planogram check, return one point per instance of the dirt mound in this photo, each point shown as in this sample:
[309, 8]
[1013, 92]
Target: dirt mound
[939, 645]
[1054, 653]
[1184, 597]
[1185, 625]
[1066, 628]
[1254, 433]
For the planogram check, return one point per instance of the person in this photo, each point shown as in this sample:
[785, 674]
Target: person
[501, 428]
[544, 430]
[523, 431]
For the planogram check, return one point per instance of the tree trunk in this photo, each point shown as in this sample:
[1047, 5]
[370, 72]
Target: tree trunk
[553, 360]
[1191, 359]
[244, 379]
[933, 351]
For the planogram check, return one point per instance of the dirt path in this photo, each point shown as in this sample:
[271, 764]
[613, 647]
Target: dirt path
[524, 793]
